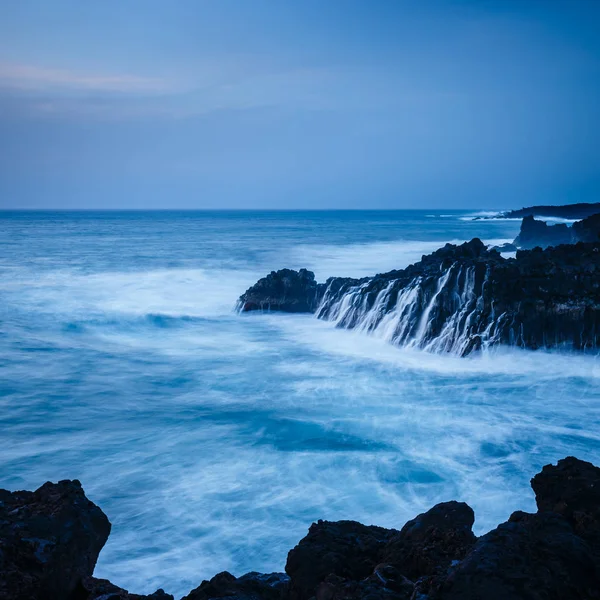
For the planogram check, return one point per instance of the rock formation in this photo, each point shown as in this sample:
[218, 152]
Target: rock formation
[538, 233]
[285, 290]
[459, 299]
[50, 540]
[580, 210]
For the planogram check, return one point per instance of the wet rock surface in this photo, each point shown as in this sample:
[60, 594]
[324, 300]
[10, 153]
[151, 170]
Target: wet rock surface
[462, 298]
[553, 554]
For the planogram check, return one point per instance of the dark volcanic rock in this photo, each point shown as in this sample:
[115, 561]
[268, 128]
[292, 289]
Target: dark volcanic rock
[49, 541]
[531, 557]
[285, 290]
[432, 540]
[572, 489]
[460, 299]
[538, 233]
[386, 583]
[102, 589]
[252, 586]
[587, 230]
[346, 549]
[566, 211]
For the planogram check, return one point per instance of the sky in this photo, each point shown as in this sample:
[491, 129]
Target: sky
[310, 104]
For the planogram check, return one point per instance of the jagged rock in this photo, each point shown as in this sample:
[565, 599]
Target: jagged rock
[432, 540]
[252, 586]
[463, 298]
[49, 541]
[538, 233]
[102, 589]
[572, 489]
[580, 210]
[285, 290]
[346, 549]
[531, 557]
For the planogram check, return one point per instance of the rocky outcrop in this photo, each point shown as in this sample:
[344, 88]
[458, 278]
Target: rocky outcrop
[538, 233]
[587, 230]
[50, 540]
[432, 541]
[532, 556]
[285, 290]
[566, 211]
[464, 298]
[345, 549]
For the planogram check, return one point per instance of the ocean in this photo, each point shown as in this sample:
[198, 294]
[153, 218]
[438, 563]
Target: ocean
[211, 439]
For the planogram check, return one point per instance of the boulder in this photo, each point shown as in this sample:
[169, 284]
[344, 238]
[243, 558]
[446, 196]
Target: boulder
[432, 540]
[346, 549]
[49, 541]
[571, 488]
[531, 557]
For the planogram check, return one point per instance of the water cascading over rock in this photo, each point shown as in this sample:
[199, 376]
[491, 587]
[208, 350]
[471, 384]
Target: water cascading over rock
[459, 299]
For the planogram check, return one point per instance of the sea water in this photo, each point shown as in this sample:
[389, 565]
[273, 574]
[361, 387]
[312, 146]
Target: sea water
[211, 439]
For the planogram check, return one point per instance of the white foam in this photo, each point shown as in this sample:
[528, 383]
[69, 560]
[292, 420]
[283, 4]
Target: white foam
[325, 337]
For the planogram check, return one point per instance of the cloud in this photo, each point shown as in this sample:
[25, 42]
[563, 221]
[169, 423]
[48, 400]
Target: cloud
[34, 78]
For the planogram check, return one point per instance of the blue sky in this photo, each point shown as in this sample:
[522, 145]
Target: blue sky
[299, 104]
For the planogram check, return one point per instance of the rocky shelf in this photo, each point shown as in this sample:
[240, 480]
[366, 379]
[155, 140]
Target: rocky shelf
[458, 299]
[50, 540]
[580, 210]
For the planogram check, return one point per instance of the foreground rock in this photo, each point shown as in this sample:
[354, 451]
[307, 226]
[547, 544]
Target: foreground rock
[461, 298]
[252, 586]
[566, 211]
[50, 540]
[532, 556]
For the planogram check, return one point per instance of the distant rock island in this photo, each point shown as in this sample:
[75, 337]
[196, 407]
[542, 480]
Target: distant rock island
[50, 540]
[459, 299]
[565, 211]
